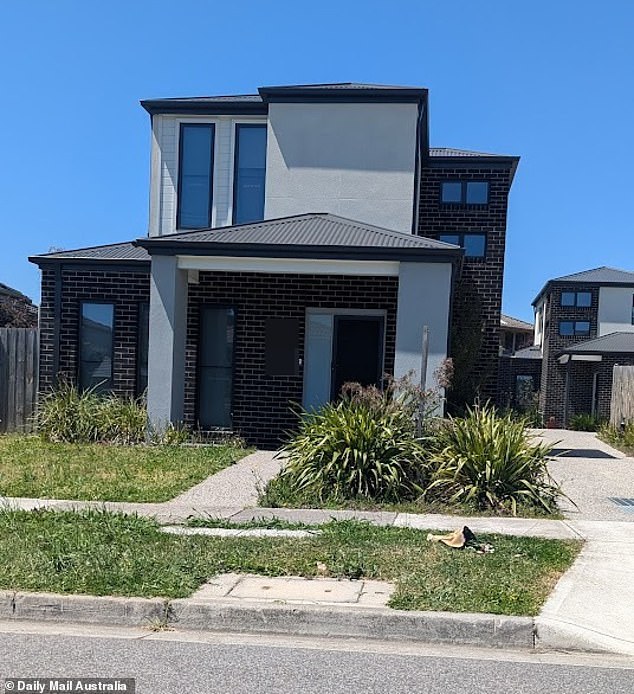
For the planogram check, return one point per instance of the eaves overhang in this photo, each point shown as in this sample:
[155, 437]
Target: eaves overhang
[414, 255]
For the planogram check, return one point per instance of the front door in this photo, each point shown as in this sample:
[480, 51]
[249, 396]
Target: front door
[357, 351]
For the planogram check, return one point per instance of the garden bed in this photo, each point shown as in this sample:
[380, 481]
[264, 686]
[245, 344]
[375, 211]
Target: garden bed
[101, 553]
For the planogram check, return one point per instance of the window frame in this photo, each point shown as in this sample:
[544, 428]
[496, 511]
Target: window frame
[179, 184]
[236, 153]
[463, 192]
[80, 359]
[461, 242]
[139, 391]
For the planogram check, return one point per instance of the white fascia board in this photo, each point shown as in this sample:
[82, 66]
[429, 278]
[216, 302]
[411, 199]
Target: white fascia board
[302, 266]
[586, 357]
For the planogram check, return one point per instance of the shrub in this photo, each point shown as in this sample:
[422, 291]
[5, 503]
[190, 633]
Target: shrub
[619, 437]
[584, 422]
[487, 460]
[68, 415]
[366, 445]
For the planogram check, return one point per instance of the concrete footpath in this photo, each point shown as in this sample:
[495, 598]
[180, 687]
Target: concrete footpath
[590, 609]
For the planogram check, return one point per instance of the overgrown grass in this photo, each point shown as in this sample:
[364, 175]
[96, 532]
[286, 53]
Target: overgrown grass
[621, 439]
[31, 467]
[100, 553]
[279, 493]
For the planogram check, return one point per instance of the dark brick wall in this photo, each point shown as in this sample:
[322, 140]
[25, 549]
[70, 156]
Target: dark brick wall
[553, 388]
[261, 412]
[126, 289]
[481, 277]
[510, 369]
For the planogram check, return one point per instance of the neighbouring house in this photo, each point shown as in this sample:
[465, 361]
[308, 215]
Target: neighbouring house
[299, 238]
[16, 309]
[515, 334]
[584, 325]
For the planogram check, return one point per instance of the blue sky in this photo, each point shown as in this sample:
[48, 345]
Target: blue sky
[550, 81]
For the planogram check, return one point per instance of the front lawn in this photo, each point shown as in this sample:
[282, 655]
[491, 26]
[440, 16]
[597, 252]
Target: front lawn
[31, 467]
[101, 553]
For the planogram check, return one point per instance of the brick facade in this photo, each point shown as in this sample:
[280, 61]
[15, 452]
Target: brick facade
[261, 403]
[553, 383]
[126, 289]
[510, 369]
[481, 278]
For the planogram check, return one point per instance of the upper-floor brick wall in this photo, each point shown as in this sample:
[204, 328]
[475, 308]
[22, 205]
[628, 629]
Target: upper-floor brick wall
[481, 278]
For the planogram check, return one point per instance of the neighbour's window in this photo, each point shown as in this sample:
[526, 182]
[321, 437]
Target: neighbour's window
[632, 309]
[249, 173]
[474, 244]
[195, 176]
[143, 336]
[578, 299]
[96, 328]
[464, 192]
[569, 327]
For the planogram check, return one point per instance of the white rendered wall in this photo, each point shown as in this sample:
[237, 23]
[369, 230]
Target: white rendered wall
[353, 160]
[615, 310]
[164, 169]
[424, 298]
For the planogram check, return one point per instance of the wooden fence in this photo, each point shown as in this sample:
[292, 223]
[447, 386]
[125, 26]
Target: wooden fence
[18, 378]
[622, 403]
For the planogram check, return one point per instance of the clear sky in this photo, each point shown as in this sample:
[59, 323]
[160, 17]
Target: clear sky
[551, 81]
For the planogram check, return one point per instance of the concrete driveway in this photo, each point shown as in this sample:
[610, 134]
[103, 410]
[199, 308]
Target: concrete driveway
[591, 473]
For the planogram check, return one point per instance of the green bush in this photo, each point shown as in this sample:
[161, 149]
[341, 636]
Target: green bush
[487, 460]
[69, 415]
[584, 422]
[622, 438]
[367, 445]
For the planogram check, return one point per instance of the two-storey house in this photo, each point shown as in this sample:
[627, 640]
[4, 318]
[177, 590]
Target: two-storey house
[299, 238]
[584, 325]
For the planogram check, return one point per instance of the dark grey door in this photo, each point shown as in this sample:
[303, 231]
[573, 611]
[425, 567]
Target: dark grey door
[357, 353]
[215, 366]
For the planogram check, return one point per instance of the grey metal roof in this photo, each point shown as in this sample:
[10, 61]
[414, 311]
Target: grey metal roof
[528, 353]
[257, 102]
[122, 252]
[599, 275]
[514, 323]
[612, 343]
[453, 152]
[305, 230]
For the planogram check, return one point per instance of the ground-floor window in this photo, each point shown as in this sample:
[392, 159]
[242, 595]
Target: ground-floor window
[96, 342]
[143, 338]
[215, 366]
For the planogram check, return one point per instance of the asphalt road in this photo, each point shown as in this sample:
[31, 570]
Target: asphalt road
[184, 663]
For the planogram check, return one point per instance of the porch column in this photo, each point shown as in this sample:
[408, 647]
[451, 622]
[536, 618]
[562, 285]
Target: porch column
[424, 297]
[167, 338]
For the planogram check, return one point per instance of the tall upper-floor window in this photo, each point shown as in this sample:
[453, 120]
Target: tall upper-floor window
[249, 173]
[464, 192]
[195, 175]
[96, 342]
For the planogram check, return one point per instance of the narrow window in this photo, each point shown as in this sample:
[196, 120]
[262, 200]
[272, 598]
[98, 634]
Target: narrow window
[249, 173]
[477, 192]
[143, 336]
[215, 366]
[96, 330]
[632, 309]
[451, 191]
[195, 176]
